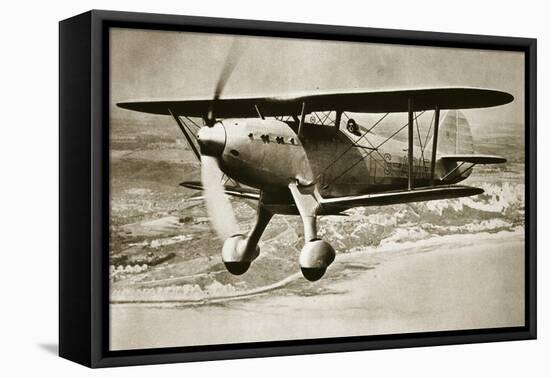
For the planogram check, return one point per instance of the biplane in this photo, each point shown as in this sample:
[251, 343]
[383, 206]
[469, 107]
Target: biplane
[306, 155]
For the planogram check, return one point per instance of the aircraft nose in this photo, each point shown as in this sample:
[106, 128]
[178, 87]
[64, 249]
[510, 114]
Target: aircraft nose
[212, 140]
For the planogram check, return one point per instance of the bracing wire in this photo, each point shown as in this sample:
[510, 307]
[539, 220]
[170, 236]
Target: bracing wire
[370, 153]
[354, 144]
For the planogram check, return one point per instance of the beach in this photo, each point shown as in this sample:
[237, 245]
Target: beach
[452, 282]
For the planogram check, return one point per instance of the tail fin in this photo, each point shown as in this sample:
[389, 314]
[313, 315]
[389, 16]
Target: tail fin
[455, 136]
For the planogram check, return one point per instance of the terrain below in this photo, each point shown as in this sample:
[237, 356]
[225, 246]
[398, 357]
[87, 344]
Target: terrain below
[381, 292]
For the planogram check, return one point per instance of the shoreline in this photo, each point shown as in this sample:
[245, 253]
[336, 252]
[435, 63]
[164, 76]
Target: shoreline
[425, 286]
[387, 249]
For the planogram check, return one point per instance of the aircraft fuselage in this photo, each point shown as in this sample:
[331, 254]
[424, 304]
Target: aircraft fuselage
[269, 155]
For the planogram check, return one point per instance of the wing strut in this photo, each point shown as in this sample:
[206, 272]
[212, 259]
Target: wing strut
[302, 120]
[371, 149]
[337, 121]
[258, 111]
[411, 140]
[186, 133]
[434, 146]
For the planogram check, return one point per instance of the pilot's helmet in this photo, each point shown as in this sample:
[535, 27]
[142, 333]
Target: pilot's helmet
[352, 126]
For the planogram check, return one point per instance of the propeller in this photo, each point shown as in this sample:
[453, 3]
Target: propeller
[233, 57]
[218, 206]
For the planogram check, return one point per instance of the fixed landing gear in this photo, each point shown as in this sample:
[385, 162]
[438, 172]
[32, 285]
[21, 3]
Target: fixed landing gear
[237, 268]
[236, 256]
[317, 254]
[315, 258]
[239, 251]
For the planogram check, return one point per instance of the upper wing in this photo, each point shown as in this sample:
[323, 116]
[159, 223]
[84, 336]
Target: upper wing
[401, 196]
[352, 101]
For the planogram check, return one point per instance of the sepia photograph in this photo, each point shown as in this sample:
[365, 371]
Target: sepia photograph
[274, 189]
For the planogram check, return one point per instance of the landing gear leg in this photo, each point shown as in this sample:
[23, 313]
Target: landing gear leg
[239, 251]
[317, 254]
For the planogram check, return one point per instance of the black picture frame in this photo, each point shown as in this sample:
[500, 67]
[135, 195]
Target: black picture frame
[84, 188]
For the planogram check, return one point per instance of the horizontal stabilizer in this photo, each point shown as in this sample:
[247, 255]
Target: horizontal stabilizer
[401, 196]
[474, 159]
[230, 190]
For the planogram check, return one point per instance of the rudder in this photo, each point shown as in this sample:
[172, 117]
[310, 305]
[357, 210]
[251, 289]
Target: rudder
[455, 135]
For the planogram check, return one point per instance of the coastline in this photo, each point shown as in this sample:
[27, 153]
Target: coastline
[442, 283]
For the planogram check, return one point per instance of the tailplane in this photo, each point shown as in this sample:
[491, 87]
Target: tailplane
[455, 150]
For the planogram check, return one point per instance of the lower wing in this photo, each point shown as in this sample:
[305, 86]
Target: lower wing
[231, 190]
[401, 196]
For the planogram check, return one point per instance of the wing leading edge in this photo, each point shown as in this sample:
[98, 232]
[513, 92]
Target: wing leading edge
[402, 196]
[231, 190]
[337, 204]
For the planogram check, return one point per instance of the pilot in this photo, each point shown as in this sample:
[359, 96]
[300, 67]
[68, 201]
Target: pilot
[353, 127]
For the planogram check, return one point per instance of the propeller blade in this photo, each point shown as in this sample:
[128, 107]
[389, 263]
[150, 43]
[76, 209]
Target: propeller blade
[231, 61]
[218, 206]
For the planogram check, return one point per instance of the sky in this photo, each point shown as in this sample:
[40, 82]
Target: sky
[150, 65]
